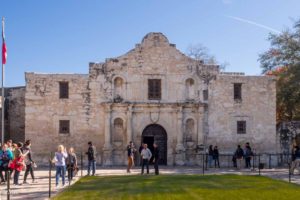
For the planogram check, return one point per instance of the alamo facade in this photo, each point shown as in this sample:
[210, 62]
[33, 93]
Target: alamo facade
[153, 93]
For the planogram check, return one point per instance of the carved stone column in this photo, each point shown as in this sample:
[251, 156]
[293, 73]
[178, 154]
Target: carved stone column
[129, 125]
[107, 149]
[180, 150]
[200, 128]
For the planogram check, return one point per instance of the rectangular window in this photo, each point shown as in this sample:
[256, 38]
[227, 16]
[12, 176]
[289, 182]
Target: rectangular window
[64, 126]
[63, 90]
[205, 95]
[154, 89]
[241, 127]
[237, 90]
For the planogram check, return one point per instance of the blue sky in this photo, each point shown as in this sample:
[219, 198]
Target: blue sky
[63, 36]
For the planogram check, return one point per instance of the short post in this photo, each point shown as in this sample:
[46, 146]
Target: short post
[259, 165]
[253, 162]
[81, 164]
[203, 160]
[50, 169]
[290, 173]
[8, 184]
[270, 161]
[206, 160]
[228, 161]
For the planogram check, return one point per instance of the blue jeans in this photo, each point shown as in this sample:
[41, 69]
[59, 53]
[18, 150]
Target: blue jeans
[60, 172]
[92, 163]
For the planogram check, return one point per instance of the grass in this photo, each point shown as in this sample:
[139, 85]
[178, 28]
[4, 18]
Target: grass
[184, 187]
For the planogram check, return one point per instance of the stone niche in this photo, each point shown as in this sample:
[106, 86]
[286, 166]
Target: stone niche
[118, 139]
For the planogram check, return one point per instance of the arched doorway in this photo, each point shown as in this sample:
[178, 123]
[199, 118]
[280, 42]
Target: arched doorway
[156, 133]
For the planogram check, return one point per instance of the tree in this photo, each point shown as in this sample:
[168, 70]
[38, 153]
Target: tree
[283, 61]
[201, 53]
[284, 51]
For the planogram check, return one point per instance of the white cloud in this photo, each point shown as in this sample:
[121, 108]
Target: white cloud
[254, 23]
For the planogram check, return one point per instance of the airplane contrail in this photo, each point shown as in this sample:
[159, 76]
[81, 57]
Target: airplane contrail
[253, 23]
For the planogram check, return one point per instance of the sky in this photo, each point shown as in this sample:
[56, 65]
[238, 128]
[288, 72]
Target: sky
[63, 36]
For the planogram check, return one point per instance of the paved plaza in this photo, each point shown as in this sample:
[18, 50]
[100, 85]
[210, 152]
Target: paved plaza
[40, 189]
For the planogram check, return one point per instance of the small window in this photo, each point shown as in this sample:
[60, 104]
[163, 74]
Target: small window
[63, 90]
[64, 126]
[241, 127]
[154, 89]
[237, 90]
[205, 95]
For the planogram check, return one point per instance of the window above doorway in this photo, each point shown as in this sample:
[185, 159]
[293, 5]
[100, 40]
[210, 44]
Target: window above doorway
[154, 89]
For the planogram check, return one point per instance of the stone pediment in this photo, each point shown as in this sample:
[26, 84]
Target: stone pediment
[154, 55]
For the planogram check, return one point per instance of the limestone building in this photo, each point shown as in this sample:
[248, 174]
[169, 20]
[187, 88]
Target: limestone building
[153, 93]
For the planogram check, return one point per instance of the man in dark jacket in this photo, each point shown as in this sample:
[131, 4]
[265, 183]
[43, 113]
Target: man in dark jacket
[156, 158]
[239, 155]
[91, 153]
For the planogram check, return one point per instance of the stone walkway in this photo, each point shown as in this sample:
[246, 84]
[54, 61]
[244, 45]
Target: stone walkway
[40, 190]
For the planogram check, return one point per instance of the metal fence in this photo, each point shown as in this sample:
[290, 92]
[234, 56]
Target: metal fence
[258, 163]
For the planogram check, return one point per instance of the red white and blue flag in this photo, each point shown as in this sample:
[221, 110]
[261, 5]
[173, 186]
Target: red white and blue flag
[4, 50]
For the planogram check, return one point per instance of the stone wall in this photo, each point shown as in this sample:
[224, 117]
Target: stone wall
[257, 108]
[16, 113]
[44, 109]
[110, 106]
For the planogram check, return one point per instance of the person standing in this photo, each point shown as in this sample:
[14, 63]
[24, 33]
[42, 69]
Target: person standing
[28, 161]
[146, 155]
[216, 156]
[210, 155]
[91, 153]
[247, 155]
[130, 153]
[239, 154]
[71, 164]
[18, 163]
[5, 156]
[60, 164]
[156, 158]
[296, 161]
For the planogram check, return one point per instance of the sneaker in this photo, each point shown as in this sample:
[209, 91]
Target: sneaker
[25, 182]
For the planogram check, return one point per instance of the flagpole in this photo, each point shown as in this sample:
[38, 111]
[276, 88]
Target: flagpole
[2, 96]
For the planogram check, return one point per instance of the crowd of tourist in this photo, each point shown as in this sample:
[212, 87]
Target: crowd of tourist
[146, 157]
[13, 159]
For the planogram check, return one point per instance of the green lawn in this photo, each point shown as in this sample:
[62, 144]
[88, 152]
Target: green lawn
[185, 187]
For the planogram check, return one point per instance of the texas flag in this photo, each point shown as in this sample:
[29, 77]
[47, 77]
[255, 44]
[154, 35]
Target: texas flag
[4, 50]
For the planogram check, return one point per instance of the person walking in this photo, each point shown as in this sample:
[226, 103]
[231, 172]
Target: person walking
[156, 158]
[91, 153]
[239, 154]
[60, 164]
[130, 153]
[30, 164]
[71, 163]
[296, 161]
[216, 157]
[210, 155]
[146, 155]
[5, 156]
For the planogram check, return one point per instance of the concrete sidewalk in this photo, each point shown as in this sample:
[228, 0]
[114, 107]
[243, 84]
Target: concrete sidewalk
[40, 190]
